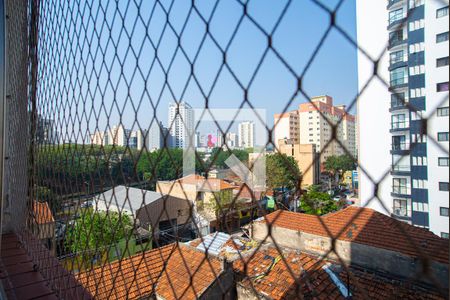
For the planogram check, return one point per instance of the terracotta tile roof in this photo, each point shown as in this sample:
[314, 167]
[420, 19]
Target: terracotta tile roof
[166, 271]
[42, 213]
[296, 276]
[210, 184]
[300, 275]
[370, 228]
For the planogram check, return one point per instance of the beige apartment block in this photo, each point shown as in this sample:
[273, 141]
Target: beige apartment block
[306, 157]
[286, 126]
[316, 120]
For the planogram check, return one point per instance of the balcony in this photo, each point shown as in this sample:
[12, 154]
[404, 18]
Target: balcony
[402, 170]
[398, 83]
[394, 4]
[397, 61]
[397, 42]
[398, 105]
[399, 126]
[400, 148]
[395, 23]
[403, 192]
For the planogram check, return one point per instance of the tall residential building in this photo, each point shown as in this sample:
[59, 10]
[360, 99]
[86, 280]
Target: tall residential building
[314, 127]
[246, 135]
[286, 126]
[181, 124]
[393, 149]
[156, 135]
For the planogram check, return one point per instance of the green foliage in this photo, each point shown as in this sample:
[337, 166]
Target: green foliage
[219, 200]
[219, 156]
[338, 165]
[318, 203]
[95, 231]
[282, 171]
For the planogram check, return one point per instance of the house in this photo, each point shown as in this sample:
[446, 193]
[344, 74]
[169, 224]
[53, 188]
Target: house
[360, 237]
[43, 223]
[152, 210]
[209, 197]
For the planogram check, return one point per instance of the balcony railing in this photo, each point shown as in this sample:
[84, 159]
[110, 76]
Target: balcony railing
[391, 3]
[401, 125]
[398, 82]
[401, 190]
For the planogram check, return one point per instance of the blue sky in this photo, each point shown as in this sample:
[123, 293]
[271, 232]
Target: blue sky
[103, 67]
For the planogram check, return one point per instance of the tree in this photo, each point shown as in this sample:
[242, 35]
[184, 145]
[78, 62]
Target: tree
[282, 171]
[94, 231]
[337, 165]
[219, 156]
[317, 203]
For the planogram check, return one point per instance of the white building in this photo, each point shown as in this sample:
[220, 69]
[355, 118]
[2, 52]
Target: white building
[413, 170]
[181, 123]
[156, 135]
[246, 135]
[120, 136]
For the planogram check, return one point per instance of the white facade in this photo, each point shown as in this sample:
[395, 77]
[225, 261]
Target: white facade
[181, 122]
[246, 135]
[409, 166]
[286, 126]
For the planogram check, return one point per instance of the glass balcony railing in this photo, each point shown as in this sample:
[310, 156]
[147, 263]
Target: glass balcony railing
[400, 125]
[401, 190]
[398, 81]
[401, 211]
[400, 146]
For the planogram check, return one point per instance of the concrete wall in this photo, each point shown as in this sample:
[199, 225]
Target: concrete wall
[352, 253]
[166, 208]
[247, 293]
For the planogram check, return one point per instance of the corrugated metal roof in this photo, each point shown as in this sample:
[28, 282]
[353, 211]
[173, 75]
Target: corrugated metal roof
[128, 198]
[214, 242]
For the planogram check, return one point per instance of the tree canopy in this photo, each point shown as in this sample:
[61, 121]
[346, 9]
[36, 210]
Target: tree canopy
[318, 203]
[337, 165]
[282, 171]
[96, 231]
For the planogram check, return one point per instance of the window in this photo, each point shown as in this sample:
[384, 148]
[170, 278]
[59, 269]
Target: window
[401, 207]
[397, 56]
[415, 25]
[415, 3]
[397, 36]
[420, 206]
[442, 37]
[443, 211]
[419, 138]
[416, 70]
[442, 87]
[419, 160]
[442, 62]
[442, 12]
[399, 121]
[442, 111]
[417, 47]
[397, 100]
[395, 15]
[443, 161]
[417, 92]
[443, 186]
[444, 235]
[398, 76]
[399, 186]
[399, 142]
[443, 136]
[420, 183]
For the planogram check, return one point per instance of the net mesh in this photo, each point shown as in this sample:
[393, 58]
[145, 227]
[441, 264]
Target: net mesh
[88, 83]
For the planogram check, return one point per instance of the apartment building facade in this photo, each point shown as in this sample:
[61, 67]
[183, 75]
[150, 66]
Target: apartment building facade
[286, 126]
[316, 121]
[181, 124]
[120, 136]
[407, 155]
[246, 134]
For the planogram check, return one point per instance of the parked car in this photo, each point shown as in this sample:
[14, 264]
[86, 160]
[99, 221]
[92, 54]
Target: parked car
[87, 204]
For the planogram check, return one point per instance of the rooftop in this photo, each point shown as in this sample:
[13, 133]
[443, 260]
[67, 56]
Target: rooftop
[290, 274]
[42, 213]
[366, 226]
[128, 198]
[174, 271]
